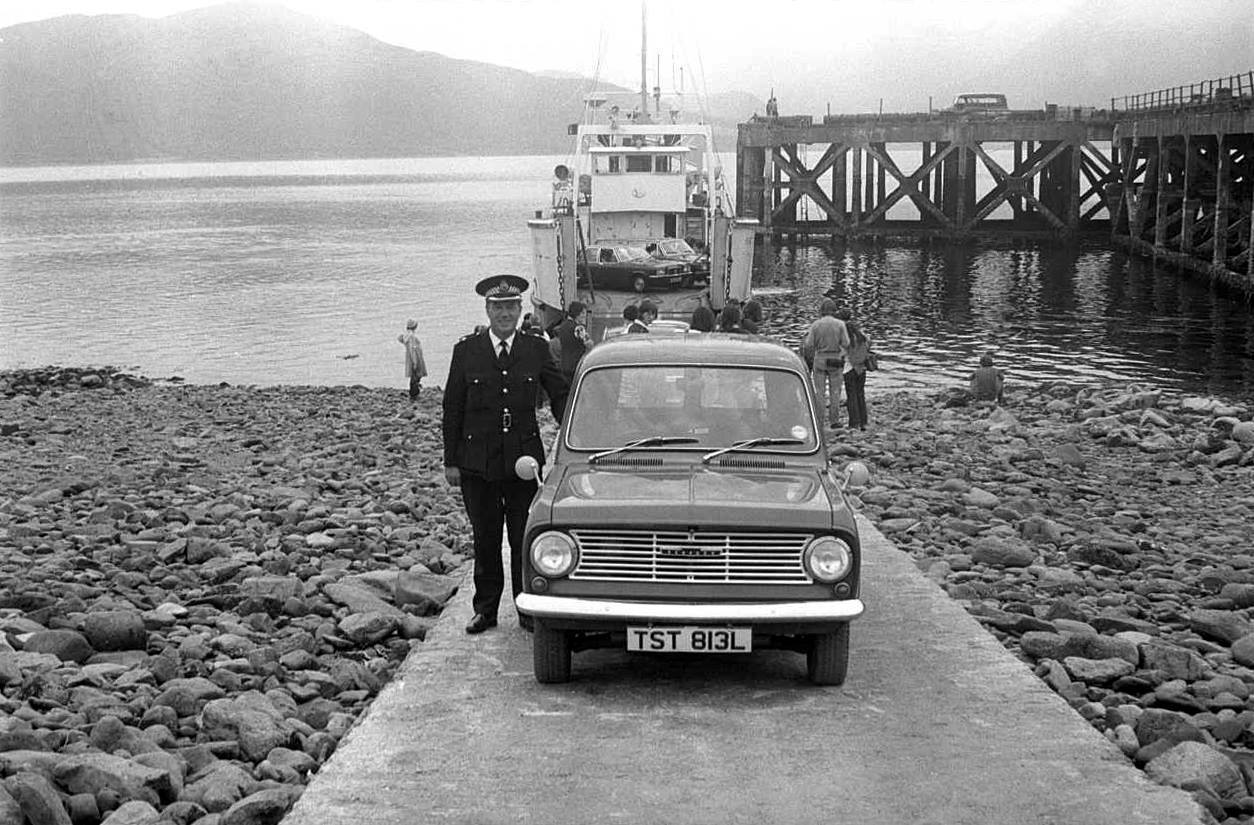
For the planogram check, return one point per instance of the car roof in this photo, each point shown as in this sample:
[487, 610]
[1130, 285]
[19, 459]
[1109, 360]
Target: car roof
[691, 347]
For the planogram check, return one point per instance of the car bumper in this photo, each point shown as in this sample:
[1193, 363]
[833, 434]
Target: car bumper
[754, 613]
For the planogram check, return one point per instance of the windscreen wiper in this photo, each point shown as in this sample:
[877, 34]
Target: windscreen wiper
[748, 444]
[651, 441]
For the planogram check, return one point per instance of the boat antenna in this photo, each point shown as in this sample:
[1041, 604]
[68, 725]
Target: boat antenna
[644, 63]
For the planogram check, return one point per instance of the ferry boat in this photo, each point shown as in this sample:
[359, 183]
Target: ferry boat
[644, 171]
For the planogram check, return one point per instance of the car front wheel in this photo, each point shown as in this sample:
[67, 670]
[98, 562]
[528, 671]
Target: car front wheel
[827, 660]
[550, 652]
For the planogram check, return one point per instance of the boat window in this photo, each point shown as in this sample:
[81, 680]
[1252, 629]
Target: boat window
[639, 163]
[662, 163]
[614, 162]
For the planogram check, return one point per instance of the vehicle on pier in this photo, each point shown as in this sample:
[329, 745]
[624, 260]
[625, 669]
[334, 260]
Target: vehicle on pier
[979, 104]
[643, 170]
[690, 507]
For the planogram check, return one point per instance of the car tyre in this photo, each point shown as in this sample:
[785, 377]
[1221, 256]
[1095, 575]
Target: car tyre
[639, 282]
[827, 660]
[550, 651]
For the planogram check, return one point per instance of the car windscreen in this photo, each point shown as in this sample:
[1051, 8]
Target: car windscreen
[676, 247]
[632, 253]
[717, 405]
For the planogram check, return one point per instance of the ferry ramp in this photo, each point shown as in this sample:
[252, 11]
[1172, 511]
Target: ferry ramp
[937, 723]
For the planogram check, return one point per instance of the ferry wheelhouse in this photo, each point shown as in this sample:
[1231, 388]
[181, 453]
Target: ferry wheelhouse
[644, 172]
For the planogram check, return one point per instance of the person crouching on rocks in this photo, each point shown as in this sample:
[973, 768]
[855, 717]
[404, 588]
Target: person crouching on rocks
[987, 382]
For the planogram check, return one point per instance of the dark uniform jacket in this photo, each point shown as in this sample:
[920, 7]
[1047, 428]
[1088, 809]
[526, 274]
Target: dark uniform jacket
[490, 407]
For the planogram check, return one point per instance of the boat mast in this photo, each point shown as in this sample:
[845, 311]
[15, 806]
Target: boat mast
[644, 64]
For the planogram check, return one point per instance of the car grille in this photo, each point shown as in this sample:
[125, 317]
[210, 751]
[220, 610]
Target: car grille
[703, 558]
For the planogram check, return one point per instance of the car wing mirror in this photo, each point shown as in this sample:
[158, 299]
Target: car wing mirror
[855, 476]
[527, 468]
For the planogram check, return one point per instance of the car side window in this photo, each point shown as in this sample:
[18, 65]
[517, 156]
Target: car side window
[607, 256]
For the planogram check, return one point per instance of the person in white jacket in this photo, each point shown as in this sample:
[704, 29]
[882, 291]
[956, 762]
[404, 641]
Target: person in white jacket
[415, 364]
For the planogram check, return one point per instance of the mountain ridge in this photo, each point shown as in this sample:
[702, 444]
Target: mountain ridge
[245, 82]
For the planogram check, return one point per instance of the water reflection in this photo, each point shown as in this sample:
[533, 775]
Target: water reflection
[1085, 313]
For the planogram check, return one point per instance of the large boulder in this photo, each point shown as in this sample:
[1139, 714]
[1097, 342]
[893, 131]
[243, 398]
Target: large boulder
[116, 630]
[1097, 671]
[38, 800]
[1174, 661]
[250, 719]
[188, 696]
[1193, 764]
[360, 599]
[428, 592]
[1226, 626]
[364, 629]
[1002, 552]
[261, 808]
[93, 772]
[219, 787]
[133, 812]
[66, 645]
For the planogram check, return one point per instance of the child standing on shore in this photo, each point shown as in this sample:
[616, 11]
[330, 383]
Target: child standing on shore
[415, 364]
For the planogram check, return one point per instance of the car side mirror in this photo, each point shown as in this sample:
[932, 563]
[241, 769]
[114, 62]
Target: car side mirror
[856, 475]
[527, 468]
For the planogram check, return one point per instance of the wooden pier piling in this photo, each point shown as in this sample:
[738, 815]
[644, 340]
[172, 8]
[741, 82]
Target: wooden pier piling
[1168, 174]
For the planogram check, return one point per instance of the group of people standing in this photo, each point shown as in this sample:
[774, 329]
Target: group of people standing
[734, 317]
[501, 374]
[839, 354]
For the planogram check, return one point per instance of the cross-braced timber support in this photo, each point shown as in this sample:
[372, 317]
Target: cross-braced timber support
[938, 175]
[1187, 191]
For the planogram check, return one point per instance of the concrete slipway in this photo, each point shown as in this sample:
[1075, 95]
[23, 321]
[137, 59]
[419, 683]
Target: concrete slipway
[937, 723]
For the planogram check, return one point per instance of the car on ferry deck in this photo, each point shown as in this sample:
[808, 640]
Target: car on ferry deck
[630, 268]
[690, 506]
[677, 249]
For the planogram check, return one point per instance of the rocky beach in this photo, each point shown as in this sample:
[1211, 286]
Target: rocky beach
[204, 586]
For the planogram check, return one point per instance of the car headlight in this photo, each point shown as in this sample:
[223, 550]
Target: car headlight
[553, 554]
[828, 559]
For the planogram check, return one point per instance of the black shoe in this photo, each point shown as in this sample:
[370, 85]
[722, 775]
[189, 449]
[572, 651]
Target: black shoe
[526, 623]
[480, 623]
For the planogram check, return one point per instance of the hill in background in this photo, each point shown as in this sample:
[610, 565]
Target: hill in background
[245, 82]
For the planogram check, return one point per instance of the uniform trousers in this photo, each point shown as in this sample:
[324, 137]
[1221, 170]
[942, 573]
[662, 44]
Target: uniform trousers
[494, 508]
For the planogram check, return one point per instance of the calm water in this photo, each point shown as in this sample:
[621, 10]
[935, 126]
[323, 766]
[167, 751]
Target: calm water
[305, 272]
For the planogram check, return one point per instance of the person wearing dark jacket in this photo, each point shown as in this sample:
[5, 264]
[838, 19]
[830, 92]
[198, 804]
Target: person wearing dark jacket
[572, 332]
[489, 423]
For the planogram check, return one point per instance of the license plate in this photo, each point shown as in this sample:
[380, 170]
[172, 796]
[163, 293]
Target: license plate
[690, 639]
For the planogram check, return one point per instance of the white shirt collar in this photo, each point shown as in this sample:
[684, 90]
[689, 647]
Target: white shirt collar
[496, 342]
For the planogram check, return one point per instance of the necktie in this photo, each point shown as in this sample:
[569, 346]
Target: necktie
[504, 353]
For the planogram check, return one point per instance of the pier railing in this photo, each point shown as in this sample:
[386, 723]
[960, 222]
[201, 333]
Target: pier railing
[1220, 90]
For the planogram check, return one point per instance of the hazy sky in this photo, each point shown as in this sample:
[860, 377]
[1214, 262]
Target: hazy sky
[699, 36]
[854, 52]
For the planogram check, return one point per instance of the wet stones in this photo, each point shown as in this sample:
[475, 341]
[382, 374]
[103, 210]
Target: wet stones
[172, 643]
[1102, 534]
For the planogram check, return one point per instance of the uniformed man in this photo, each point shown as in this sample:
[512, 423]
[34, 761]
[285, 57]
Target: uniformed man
[489, 423]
